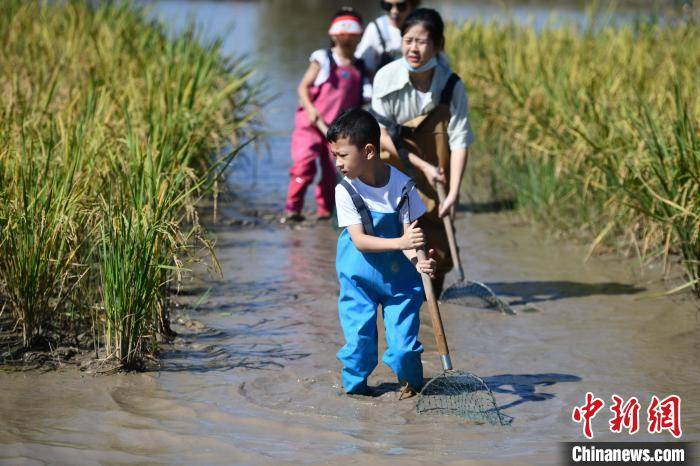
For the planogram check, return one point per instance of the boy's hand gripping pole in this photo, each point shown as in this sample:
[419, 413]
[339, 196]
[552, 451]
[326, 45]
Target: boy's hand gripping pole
[435, 316]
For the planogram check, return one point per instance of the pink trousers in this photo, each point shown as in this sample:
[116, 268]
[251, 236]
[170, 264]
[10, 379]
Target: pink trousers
[308, 145]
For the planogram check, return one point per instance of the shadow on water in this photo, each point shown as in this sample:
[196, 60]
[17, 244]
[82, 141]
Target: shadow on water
[522, 385]
[534, 292]
[525, 386]
[384, 388]
[487, 207]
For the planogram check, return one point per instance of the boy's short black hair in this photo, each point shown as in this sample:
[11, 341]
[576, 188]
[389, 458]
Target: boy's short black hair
[358, 125]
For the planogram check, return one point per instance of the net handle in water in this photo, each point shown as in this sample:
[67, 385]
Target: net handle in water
[449, 229]
[435, 316]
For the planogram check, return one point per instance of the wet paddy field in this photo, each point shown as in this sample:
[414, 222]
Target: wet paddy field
[253, 379]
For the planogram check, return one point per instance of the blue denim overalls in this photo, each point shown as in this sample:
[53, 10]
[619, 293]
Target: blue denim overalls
[368, 280]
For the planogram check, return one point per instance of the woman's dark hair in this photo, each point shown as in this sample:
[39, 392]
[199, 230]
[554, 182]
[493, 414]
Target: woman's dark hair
[431, 21]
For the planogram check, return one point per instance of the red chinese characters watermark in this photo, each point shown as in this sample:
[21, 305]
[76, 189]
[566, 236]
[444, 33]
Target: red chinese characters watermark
[626, 415]
[662, 415]
[665, 415]
[587, 412]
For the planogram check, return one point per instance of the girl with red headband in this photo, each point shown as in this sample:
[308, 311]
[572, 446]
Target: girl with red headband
[335, 81]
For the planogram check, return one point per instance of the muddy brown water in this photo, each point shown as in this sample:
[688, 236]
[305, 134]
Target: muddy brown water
[257, 381]
[253, 378]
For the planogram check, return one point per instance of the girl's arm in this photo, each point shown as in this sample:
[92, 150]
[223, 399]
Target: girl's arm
[303, 90]
[412, 238]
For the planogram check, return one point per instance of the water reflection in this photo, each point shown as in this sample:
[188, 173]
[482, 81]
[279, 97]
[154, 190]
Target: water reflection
[289, 31]
[278, 36]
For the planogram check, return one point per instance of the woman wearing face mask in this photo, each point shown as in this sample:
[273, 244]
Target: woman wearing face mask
[422, 108]
[381, 41]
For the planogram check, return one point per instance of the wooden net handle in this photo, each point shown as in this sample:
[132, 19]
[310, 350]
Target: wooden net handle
[434, 310]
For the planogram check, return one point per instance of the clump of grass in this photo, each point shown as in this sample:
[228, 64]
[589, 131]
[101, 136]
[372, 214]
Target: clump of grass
[665, 186]
[110, 132]
[130, 286]
[37, 244]
[594, 130]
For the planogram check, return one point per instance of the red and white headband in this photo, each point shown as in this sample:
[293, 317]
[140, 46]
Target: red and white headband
[345, 25]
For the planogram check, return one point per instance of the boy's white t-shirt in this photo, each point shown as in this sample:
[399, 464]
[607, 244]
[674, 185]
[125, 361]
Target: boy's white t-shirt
[320, 56]
[383, 199]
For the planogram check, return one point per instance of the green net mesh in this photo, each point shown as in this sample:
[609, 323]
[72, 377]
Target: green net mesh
[462, 394]
[474, 294]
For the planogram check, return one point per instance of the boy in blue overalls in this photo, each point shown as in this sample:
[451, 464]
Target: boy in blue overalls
[376, 260]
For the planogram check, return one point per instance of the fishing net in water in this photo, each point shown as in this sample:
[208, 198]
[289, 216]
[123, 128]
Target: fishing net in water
[474, 294]
[462, 394]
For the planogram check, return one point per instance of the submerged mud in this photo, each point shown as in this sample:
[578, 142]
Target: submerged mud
[253, 379]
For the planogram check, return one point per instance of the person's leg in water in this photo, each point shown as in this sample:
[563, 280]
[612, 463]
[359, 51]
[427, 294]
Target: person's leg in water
[358, 318]
[401, 313]
[306, 145]
[325, 190]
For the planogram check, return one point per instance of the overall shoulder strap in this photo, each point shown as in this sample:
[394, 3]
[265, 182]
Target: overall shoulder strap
[381, 37]
[446, 96]
[384, 121]
[331, 60]
[361, 207]
[396, 132]
[360, 65]
[410, 184]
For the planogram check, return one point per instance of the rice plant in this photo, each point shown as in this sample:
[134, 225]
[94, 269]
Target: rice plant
[595, 130]
[37, 245]
[665, 187]
[111, 131]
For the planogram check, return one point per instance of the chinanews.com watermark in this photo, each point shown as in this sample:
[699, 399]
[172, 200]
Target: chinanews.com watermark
[617, 453]
[658, 416]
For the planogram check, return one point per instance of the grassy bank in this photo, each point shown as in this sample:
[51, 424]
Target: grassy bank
[110, 131]
[594, 132]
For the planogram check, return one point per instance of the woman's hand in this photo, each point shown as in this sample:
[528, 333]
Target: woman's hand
[428, 266]
[413, 237]
[433, 174]
[448, 205]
